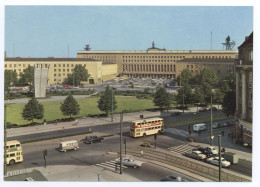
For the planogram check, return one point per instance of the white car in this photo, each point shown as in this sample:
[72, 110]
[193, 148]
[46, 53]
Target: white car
[130, 162]
[213, 150]
[215, 161]
[196, 154]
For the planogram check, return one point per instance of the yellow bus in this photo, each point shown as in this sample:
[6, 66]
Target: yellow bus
[145, 127]
[13, 152]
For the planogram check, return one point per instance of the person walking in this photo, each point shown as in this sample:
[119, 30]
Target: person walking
[142, 153]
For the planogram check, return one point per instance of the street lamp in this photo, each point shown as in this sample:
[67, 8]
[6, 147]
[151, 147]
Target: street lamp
[182, 95]
[5, 170]
[211, 120]
[112, 105]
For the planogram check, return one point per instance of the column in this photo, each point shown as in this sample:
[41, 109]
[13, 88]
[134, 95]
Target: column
[237, 94]
[243, 115]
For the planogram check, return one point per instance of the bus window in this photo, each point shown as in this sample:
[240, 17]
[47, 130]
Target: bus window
[152, 121]
[12, 146]
[17, 145]
[13, 154]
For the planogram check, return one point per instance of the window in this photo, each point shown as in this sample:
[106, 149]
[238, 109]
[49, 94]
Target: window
[64, 65]
[5, 65]
[10, 65]
[54, 65]
[251, 55]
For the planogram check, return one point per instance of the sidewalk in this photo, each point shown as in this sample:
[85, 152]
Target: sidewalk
[83, 173]
[83, 122]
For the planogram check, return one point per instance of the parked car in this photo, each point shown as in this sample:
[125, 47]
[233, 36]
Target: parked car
[204, 109]
[126, 161]
[215, 161]
[205, 151]
[173, 177]
[216, 125]
[195, 154]
[93, 139]
[213, 150]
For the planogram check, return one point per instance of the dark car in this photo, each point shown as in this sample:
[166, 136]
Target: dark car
[93, 139]
[205, 151]
[174, 178]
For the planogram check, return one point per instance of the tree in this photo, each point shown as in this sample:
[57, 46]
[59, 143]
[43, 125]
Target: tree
[229, 103]
[208, 75]
[185, 77]
[198, 97]
[218, 97]
[80, 73]
[70, 106]
[33, 110]
[107, 99]
[162, 98]
[27, 77]
[10, 79]
[184, 94]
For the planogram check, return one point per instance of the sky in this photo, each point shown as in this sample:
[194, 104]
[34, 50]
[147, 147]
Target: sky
[62, 31]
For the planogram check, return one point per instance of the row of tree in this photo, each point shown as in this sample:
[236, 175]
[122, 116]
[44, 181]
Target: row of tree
[26, 78]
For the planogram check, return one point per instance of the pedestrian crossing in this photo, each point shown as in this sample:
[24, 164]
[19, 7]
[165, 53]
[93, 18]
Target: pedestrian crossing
[110, 165]
[181, 149]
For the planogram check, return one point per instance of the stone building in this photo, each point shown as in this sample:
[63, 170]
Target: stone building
[59, 68]
[161, 63]
[244, 91]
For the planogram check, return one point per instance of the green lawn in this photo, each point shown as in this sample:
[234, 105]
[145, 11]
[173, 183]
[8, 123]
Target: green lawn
[87, 106]
[196, 119]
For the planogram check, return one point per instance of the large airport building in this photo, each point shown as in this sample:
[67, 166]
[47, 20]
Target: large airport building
[151, 63]
[161, 63]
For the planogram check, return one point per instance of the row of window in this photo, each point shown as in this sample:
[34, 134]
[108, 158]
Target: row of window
[13, 154]
[64, 70]
[220, 57]
[17, 65]
[148, 128]
[149, 60]
[153, 56]
[149, 67]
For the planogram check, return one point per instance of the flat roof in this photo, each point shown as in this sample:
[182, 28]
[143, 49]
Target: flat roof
[232, 60]
[50, 59]
[164, 51]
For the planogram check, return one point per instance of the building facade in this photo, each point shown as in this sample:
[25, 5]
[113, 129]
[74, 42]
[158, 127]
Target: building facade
[158, 63]
[59, 68]
[244, 91]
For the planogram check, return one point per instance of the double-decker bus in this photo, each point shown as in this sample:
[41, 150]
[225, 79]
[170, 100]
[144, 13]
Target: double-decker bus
[13, 152]
[145, 127]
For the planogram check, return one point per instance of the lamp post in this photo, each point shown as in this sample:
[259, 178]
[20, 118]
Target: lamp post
[5, 170]
[121, 119]
[219, 156]
[112, 105]
[211, 121]
[182, 95]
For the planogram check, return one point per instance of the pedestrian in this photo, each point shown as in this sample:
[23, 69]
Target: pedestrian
[222, 132]
[76, 122]
[116, 167]
[223, 149]
[142, 153]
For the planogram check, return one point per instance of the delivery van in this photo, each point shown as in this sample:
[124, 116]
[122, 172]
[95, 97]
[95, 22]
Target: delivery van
[199, 127]
[68, 145]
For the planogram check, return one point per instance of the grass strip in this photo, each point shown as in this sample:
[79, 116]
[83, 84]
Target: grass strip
[194, 120]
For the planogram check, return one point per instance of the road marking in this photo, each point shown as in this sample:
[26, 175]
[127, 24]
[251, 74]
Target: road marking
[110, 165]
[180, 149]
